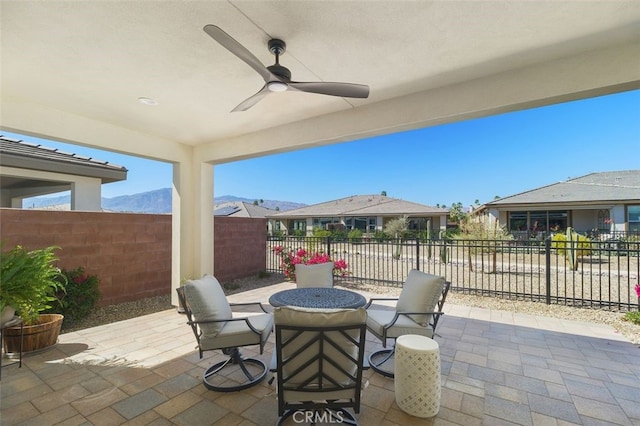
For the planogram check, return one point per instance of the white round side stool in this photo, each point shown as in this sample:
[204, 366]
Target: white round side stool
[417, 375]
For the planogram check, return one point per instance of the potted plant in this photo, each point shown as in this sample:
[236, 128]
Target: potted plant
[29, 280]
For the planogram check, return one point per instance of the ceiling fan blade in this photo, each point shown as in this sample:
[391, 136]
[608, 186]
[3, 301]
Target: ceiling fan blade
[251, 101]
[345, 90]
[237, 49]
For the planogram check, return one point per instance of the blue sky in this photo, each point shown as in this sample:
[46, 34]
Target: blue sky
[460, 162]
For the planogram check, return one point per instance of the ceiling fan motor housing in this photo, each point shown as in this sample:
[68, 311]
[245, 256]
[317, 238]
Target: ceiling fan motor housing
[280, 71]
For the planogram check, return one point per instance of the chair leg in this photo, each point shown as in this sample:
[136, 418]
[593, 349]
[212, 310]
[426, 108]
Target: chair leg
[378, 360]
[235, 358]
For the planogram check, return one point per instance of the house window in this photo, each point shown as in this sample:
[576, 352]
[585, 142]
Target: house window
[633, 217]
[518, 221]
[299, 225]
[603, 220]
[538, 221]
[361, 223]
[324, 222]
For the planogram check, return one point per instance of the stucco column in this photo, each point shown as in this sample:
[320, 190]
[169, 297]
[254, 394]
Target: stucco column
[192, 222]
[86, 194]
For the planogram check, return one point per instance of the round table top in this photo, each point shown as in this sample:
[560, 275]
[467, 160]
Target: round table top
[318, 297]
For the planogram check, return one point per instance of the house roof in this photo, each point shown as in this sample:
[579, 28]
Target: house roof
[24, 155]
[604, 186]
[363, 205]
[241, 209]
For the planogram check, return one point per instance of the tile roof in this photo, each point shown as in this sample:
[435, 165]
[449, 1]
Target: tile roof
[14, 147]
[241, 209]
[604, 186]
[362, 205]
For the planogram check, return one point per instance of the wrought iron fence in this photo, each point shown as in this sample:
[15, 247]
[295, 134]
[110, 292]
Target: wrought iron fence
[601, 274]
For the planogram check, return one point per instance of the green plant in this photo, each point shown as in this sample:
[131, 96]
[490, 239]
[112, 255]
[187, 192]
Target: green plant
[632, 317]
[355, 235]
[380, 236]
[395, 227]
[29, 280]
[81, 295]
[571, 245]
[487, 236]
[321, 233]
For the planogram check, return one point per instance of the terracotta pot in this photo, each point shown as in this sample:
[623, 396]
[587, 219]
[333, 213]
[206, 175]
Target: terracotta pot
[37, 337]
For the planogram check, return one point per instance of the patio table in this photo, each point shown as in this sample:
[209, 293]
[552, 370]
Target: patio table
[318, 297]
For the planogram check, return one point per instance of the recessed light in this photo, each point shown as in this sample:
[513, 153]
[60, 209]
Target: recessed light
[147, 101]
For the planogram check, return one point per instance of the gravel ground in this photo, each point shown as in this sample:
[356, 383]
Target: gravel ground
[616, 320]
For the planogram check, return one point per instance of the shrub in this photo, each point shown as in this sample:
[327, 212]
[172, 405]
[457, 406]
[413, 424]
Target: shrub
[559, 243]
[81, 295]
[355, 235]
[339, 235]
[632, 317]
[380, 236]
[322, 233]
[290, 258]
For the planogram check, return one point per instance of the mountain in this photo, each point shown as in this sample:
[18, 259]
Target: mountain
[157, 201]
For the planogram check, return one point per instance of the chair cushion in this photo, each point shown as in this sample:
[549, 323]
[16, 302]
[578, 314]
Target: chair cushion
[378, 318]
[207, 302]
[420, 293]
[317, 275]
[309, 349]
[238, 333]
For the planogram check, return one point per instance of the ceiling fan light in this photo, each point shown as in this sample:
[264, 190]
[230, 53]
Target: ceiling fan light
[277, 86]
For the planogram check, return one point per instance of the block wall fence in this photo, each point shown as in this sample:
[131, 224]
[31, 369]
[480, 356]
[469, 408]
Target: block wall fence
[130, 252]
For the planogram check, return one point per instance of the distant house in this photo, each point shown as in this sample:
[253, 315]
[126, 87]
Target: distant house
[368, 213]
[29, 170]
[604, 202]
[241, 209]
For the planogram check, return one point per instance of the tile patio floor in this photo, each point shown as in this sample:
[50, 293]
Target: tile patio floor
[498, 368]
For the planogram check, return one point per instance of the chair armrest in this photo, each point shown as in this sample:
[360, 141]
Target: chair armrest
[378, 298]
[246, 320]
[397, 315]
[249, 304]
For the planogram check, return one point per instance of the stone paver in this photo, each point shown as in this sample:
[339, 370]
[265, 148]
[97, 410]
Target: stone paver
[497, 368]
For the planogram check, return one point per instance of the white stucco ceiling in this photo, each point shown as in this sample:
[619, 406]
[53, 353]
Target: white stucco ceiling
[74, 70]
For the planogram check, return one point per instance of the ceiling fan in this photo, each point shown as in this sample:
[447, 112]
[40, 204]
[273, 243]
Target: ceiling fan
[278, 78]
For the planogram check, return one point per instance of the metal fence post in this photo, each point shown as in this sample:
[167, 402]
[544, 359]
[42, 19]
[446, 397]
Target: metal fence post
[418, 253]
[547, 266]
[329, 246]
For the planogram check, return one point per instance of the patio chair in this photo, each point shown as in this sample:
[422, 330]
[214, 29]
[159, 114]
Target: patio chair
[319, 359]
[416, 311]
[317, 275]
[211, 319]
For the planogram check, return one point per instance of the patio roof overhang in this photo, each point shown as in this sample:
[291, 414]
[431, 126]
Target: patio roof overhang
[75, 73]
